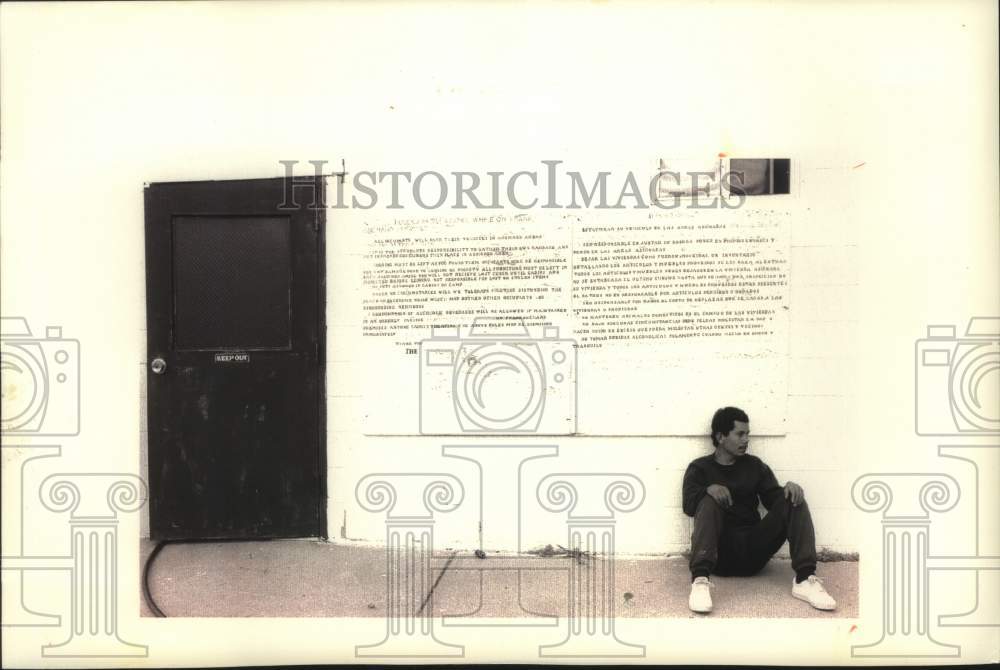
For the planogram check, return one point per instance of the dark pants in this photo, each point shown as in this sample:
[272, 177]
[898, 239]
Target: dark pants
[743, 551]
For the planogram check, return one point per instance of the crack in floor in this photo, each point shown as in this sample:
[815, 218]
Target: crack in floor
[437, 581]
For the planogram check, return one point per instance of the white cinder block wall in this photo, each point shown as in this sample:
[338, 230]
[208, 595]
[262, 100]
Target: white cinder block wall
[816, 452]
[415, 105]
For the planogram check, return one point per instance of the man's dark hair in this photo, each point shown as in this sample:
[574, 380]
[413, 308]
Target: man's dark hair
[725, 420]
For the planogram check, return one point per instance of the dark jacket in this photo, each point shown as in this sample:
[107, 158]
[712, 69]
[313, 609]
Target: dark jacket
[749, 480]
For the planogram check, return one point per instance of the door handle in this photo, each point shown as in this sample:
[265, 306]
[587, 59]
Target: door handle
[159, 366]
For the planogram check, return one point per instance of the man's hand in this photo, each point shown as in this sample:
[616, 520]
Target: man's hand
[794, 493]
[721, 495]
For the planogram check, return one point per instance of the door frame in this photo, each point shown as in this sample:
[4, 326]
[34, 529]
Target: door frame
[290, 185]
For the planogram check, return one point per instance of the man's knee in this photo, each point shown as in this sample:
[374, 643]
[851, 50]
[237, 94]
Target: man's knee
[785, 507]
[708, 506]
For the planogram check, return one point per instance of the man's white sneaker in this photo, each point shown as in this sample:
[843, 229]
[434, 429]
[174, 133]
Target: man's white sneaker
[700, 599]
[811, 590]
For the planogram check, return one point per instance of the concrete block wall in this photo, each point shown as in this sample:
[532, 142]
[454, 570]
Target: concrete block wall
[817, 450]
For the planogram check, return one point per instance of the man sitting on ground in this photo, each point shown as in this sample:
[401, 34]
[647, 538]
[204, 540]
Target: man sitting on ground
[721, 491]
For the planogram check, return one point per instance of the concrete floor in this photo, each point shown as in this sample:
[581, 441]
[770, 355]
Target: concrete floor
[308, 578]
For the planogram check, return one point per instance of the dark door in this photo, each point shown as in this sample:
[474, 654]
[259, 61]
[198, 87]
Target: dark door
[235, 339]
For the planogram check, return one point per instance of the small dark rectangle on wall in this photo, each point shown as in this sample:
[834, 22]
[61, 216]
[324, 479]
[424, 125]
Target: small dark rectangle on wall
[760, 176]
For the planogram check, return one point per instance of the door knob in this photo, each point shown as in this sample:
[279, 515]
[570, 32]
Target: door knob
[159, 366]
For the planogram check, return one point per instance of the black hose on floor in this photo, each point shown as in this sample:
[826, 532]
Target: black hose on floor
[146, 593]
